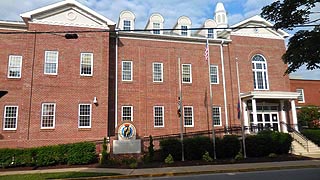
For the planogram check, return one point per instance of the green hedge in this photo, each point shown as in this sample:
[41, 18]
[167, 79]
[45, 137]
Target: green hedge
[194, 148]
[313, 135]
[267, 142]
[78, 153]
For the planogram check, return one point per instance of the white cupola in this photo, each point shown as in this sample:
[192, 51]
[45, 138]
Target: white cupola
[220, 16]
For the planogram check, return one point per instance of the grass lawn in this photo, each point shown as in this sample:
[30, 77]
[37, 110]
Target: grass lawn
[40, 176]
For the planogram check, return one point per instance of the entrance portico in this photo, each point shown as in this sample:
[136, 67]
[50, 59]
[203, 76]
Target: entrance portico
[269, 110]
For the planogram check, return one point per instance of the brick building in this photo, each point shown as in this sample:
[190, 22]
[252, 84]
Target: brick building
[309, 92]
[74, 75]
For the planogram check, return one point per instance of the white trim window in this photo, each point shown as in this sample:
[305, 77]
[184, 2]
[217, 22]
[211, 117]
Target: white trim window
[51, 62]
[156, 28]
[260, 73]
[301, 95]
[184, 30]
[126, 25]
[157, 69]
[188, 116]
[84, 120]
[127, 113]
[10, 118]
[127, 71]
[48, 115]
[14, 66]
[210, 33]
[214, 76]
[216, 116]
[86, 64]
[186, 73]
[158, 116]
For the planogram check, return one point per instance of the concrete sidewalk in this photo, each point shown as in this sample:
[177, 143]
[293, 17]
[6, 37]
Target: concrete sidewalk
[172, 171]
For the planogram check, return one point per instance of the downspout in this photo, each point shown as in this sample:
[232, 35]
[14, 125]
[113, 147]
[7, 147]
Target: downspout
[224, 85]
[116, 84]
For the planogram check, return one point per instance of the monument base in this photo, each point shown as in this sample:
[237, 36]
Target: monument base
[126, 146]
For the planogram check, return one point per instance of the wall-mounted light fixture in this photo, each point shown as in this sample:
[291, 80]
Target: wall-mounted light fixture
[95, 101]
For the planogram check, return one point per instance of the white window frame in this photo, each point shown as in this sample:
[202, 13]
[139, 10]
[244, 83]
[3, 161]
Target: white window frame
[5, 118]
[219, 109]
[91, 64]
[157, 116]
[125, 27]
[131, 71]
[190, 72]
[54, 115]
[131, 112]
[156, 28]
[154, 75]
[79, 115]
[263, 71]
[56, 62]
[184, 30]
[211, 74]
[184, 116]
[301, 91]
[11, 58]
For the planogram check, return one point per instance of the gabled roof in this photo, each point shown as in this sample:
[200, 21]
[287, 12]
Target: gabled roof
[257, 21]
[48, 11]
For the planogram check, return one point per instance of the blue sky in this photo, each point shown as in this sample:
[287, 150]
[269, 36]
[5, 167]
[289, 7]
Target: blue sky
[171, 10]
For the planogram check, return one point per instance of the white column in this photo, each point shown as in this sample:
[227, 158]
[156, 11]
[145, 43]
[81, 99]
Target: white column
[245, 116]
[254, 113]
[294, 115]
[283, 117]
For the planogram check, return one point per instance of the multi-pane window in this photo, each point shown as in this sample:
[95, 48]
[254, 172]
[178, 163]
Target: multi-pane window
[126, 70]
[184, 30]
[188, 116]
[14, 66]
[214, 78]
[210, 33]
[127, 113]
[126, 25]
[301, 95]
[84, 116]
[157, 72]
[86, 64]
[156, 28]
[48, 115]
[51, 62]
[158, 116]
[186, 73]
[216, 116]
[10, 118]
[260, 73]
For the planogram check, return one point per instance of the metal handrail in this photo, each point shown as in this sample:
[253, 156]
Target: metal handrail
[297, 133]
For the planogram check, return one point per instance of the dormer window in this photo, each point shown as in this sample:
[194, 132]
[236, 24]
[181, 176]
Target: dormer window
[126, 25]
[156, 28]
[210, 33]
[184, 30]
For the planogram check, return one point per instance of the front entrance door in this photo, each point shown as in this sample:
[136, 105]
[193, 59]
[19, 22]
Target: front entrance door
[266, 120]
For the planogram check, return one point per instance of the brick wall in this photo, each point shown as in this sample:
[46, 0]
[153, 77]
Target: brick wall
[311, 90]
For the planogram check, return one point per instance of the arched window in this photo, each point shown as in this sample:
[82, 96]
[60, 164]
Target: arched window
[260, 73]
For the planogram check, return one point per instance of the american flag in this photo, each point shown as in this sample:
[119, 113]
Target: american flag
[206, 52]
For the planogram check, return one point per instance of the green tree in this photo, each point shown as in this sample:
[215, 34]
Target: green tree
[150, 149]
[304, 46]
[307, 115]
[104, 154]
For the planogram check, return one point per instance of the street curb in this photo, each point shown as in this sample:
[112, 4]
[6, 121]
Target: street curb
[196, 172]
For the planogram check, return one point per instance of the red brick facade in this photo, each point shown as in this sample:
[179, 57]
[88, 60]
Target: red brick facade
[68, 88]
[311, 89]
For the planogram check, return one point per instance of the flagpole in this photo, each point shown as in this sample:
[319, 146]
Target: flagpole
[211, 102]
[181, 111]
[240, 112]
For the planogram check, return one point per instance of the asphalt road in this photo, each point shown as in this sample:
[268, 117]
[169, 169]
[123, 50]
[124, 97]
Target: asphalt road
[292, 174]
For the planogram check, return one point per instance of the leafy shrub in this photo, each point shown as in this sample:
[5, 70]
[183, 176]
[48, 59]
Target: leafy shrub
[150, 149]
[169, 159]
[227, 147]
[239, 156]
[81, 153]
[206, 157]
[170, 146]
[104, 154]
[313, 135]
[196, 147]
[266, 142]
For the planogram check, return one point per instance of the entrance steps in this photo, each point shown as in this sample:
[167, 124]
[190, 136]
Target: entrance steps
[303, 146]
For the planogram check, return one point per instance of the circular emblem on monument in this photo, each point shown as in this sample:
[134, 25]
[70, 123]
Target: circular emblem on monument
[127, 131]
